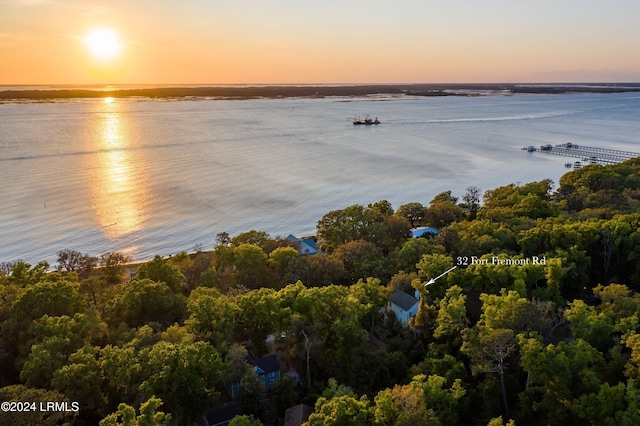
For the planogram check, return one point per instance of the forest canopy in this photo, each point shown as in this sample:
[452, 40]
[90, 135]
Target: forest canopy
[528, 313]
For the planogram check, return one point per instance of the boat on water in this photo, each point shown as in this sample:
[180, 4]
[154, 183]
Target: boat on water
[367, 121]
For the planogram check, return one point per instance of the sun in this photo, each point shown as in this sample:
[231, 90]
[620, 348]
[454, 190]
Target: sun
[103, 43]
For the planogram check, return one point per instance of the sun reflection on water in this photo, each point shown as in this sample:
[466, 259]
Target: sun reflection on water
[117, 188]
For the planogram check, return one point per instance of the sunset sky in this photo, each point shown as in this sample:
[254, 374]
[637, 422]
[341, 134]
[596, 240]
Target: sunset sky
[329, 41]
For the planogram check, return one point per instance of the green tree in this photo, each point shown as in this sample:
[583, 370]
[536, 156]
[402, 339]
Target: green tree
[589, 324]
[471, 201]
[94, 289]
[81, 380]
[54, 296]
[149, 415]
[442, 399]
[259, 316]
[509, 310]
[183, 375]
[235, 364]
[414, 212]
[430, 266]
[347, 338]
[340, 410]
[253, 237]
[209, 278]
[411, 251]
[316, 271]
[143, 301]
[361, 259]
[452, 314]
[403, 405]
[610, 405]
[285, 394]
[36, 416]
[489, 351]
[245, 421]
[297, 303]
[222, 258]
[554, 273]
[352, 223]
[251, 265]
[55, 339]
[398, 229]
[372, 294]
[498, 421]
[443, 210]
[23, 274]
[121, 371]
[162, 271]
[112, 266]
[529, 200]
[212, 316]
[74, 261]
[192, 267]
[280, 258]
[557, 375]
[252, 395]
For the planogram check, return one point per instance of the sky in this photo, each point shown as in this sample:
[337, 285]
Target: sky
[319, 42]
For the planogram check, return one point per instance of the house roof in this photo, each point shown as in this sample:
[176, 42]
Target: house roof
[422, 230]
[297, 415]
[223, 414]
[403, 300]
[267, 363]
[294, 374]
[305, 246]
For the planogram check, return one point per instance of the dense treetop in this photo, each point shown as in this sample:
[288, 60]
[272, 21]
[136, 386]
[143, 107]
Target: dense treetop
[537, 324]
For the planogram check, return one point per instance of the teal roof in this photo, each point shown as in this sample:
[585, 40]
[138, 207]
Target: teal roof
[310, 242]
[419, 232]
[305, 246]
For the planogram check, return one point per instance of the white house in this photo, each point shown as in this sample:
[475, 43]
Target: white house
[404, 305]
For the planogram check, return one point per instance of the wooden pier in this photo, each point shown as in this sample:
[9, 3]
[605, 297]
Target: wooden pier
[588, 154]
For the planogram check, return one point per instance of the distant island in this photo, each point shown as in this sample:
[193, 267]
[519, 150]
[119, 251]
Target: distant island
[310, 91]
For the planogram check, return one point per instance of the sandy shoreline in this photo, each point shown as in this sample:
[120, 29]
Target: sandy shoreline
[286, 91]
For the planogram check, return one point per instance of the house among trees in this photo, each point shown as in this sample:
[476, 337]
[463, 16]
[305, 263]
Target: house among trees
[404, 305]
[267, 368]
[297, 415]
[424, 231]
[305, 246]
[222, 415]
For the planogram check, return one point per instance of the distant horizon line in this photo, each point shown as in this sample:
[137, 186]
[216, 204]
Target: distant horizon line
[247, 91]
[568, 83]
[320, 84]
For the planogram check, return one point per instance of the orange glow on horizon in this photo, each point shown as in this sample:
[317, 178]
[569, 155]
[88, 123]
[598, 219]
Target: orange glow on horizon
[200, 42]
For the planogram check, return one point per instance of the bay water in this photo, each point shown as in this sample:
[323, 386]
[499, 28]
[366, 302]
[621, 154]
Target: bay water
[154, 177]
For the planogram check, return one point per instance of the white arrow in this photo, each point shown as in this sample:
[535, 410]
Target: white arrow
[433, 280]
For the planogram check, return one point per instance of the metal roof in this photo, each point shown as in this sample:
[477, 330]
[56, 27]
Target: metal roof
[403, 300]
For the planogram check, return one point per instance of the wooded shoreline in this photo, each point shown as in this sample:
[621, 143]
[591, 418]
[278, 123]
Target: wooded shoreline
[292, 91]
